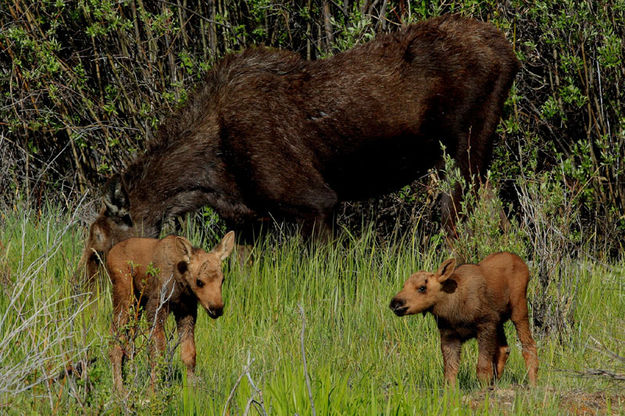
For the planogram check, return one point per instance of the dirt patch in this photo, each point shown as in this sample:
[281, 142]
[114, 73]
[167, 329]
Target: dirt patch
[574, 402]
[599, 403]
[502, 398]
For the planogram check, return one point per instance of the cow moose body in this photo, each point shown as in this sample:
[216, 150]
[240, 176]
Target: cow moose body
[270, 135]
[474, 301]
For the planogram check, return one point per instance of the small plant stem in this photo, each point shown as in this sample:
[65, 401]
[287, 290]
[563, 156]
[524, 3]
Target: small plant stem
[310, 396]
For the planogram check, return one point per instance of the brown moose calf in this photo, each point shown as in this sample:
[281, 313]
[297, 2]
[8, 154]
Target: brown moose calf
[474, 300]
[163, 276]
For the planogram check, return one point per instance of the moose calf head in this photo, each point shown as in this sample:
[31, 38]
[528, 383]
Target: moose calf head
[201, 271]
[424, 289]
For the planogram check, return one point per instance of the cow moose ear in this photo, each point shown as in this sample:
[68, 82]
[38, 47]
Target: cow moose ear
[116, 200]
[446, 270]
[224, 248]
[183, 250]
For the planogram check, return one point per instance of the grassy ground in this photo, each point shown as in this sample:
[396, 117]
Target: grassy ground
[361, 359]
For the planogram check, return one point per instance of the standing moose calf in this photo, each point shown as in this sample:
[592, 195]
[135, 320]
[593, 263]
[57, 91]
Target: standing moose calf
[474, 300]
[163, 276]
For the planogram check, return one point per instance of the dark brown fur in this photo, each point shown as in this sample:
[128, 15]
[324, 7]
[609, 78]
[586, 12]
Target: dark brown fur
[268, 134]
[474, 300]
[164, 276]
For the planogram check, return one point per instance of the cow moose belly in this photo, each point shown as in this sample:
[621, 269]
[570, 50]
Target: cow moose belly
[385, 166]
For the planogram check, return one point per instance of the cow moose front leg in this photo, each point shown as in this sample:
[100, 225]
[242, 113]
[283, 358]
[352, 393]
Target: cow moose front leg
[314, 208]
[303, 195]
[185, 323]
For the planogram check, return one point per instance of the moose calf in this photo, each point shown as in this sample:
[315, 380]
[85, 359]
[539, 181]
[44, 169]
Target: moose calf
[474, 300]
[163, 276]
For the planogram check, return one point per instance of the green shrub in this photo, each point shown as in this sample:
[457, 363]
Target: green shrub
[85, 84]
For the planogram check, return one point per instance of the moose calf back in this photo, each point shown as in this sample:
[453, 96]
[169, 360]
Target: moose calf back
[130, 258]
[506, 276]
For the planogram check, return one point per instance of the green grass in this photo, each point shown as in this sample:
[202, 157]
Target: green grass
[362, 360]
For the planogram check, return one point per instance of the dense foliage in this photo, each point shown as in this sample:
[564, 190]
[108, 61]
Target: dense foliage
[85, 83]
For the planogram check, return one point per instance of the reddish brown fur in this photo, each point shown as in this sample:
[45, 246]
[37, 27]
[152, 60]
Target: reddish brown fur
[184, 275]
[474, 300]
[269, 135]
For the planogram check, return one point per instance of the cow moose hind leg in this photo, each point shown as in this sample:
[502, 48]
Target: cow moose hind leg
[474, 152]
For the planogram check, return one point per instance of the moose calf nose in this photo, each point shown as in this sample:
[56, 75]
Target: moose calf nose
[396, 304]
[216, 312]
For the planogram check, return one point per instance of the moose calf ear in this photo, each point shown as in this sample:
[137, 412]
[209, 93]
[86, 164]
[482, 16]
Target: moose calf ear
[224, 248]
[116, 200]
[183, 249]
[446, 269]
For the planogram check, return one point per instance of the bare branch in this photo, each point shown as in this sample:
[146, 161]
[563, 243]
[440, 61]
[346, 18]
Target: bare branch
[246, 369]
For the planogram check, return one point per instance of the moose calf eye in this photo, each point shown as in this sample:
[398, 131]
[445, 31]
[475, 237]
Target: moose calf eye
[422, 289]
[199, 283]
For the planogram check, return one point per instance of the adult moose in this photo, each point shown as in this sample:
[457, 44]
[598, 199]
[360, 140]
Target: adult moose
[268, 134]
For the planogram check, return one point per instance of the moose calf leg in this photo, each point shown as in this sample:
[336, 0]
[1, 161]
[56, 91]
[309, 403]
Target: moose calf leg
[487, 346]
[502, 352]
[186, 331]
[121, 306]
[521, 322]
[158, 341]
[451, 347]
[158, 347]
[117, 358]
